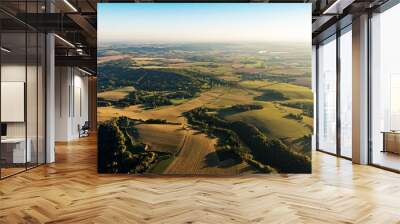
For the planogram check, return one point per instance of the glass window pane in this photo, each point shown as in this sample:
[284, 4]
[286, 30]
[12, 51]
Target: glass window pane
[13, 85]
[327, 96]
[31, 97]
[385, 92]
[23, 85]
[346, 94]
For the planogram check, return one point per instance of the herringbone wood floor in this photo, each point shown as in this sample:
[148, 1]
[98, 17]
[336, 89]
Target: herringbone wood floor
[70, 191]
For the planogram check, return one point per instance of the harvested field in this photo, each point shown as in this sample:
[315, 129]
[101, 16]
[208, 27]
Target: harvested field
[198, 156]
[116, 94]
[215, 98]
[161, 137]
[104, 59]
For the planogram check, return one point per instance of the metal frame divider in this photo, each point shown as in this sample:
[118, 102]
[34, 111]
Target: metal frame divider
[316, 97]
[369, 78]
[338, 74]
[26, 86]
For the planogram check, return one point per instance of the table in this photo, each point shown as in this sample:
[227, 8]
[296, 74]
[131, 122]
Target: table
[13, 150]
[391, 141]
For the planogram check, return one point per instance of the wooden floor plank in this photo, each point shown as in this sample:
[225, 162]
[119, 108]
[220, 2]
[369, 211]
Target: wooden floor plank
[71, 191]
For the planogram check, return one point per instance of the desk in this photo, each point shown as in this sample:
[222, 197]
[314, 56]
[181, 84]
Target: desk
[391, 141]
[13, 150]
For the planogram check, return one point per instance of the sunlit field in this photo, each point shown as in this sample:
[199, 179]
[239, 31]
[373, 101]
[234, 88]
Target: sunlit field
[204, 89]
[159, 93]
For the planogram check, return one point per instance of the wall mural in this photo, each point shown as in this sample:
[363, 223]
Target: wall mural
[215, 89]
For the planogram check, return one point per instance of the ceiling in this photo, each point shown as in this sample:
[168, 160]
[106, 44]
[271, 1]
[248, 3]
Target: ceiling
[75, 21]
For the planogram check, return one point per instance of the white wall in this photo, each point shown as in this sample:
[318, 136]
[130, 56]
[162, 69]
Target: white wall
[61, 103]
[80, 110]
[71, 102]
[360, 90]
[50, 95]
[33, 125]
[14, 73]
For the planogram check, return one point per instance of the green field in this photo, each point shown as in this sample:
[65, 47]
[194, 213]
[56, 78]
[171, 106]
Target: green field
[289, 90]
[271, 121]
[190, 104]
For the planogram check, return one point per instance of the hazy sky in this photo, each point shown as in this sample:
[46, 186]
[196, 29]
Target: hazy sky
[165, 22]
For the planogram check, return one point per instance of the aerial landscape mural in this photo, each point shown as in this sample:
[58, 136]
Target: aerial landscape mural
[204, 89]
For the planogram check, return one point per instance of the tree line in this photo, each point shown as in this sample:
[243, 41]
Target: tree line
[120, 152]
[267, 151]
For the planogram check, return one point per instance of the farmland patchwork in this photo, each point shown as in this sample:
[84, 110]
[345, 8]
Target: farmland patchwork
[214, 108]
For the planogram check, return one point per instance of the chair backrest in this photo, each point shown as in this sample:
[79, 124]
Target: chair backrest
[86, 125]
